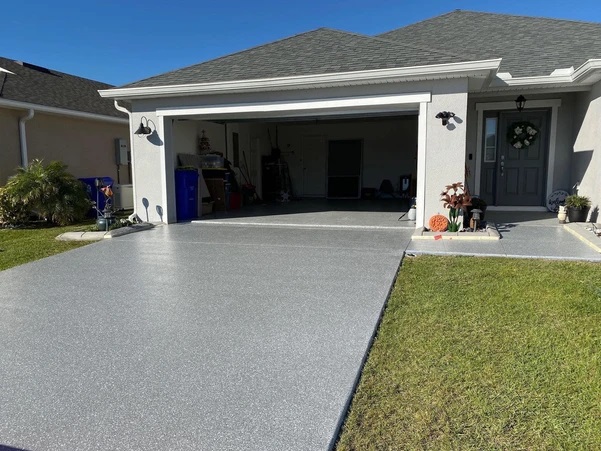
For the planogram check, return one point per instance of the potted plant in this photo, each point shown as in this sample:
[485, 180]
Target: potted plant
[455, 198]
[578, 207]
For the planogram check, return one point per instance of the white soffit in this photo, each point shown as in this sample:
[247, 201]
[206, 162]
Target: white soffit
[331, 106]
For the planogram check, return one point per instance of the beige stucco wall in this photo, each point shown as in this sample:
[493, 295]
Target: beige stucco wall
[86, 146]
[10, 153]
[586, 158]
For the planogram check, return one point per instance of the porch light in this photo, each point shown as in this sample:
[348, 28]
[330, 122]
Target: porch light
[143, 129]
[520, 103]
[445, 116]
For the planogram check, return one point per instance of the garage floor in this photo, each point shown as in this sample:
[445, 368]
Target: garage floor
[380, 214]
[192, 337]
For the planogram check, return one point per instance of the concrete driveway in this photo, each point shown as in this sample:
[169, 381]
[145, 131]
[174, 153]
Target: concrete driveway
[192, 337]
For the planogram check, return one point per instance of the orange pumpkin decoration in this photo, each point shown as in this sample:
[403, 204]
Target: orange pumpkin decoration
[438, 223]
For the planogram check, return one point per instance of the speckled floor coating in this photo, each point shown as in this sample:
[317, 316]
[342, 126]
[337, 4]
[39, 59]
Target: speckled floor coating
[191, 337]
[523, 235]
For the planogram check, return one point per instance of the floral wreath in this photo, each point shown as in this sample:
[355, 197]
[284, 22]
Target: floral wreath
[521, 135]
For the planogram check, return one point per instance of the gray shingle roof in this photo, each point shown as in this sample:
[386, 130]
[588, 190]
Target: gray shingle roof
[40, 86]
[316, 52]
[528, 45]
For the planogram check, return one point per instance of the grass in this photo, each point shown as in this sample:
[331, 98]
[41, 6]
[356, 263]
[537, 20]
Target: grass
[477, 353]
[18, 246]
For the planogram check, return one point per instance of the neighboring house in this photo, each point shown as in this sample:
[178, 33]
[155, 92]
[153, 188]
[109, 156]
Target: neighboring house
[50, 115]
[329, 91]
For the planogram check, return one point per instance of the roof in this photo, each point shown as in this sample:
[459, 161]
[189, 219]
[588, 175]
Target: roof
[321, 51]
[40, 86]
[529, 46]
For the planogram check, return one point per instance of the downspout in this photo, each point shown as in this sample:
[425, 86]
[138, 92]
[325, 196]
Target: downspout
[23, 136]
[131, 149]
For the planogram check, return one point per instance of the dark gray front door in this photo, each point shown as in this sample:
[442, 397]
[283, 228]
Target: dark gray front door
[520, 173]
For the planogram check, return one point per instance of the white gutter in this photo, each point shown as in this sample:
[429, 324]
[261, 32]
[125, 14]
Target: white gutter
[23, 136]
[60, 111]
[431, 72]
[587, 74]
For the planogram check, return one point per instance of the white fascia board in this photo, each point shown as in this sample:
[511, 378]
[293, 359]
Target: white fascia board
[60, 111]
[363, 104]
[588, 73]
[431, 72]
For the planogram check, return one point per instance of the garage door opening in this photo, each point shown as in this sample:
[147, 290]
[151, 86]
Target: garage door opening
[303, 165]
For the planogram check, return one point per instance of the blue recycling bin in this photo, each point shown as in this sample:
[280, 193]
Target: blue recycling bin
[94, 194]
[186, 194]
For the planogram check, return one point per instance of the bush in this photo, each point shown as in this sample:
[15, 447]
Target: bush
[577, 202]
[49, 191]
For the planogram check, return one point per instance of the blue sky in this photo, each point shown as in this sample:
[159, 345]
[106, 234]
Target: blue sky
[118, 41]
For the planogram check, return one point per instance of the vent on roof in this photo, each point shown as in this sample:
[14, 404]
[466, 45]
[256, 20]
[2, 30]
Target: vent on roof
[34, 67]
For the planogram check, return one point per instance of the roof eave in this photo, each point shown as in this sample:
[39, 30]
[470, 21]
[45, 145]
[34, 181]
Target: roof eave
[14, 104]
[587, 74]
[482, 68]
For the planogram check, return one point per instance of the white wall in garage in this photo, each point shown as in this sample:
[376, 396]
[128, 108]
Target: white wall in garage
[389, 147]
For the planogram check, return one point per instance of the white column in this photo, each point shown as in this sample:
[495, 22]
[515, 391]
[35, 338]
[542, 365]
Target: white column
[165, 130]
[422, 135]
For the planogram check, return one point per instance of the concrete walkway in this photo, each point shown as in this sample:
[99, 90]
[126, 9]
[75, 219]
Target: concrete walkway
[523, 235]
[192, 337]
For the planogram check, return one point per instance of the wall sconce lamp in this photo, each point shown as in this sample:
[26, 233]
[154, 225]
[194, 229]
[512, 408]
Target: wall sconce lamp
[520, 103]
[143, 129]
[445, 116]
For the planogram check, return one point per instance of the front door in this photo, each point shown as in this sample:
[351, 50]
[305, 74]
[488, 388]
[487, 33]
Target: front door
[517, 176]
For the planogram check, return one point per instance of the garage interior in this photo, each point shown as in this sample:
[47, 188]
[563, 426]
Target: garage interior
[354, 163]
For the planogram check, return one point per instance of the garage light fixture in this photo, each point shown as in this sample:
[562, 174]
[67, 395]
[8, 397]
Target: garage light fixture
[520, 103]
[143, 129]
[445, 116]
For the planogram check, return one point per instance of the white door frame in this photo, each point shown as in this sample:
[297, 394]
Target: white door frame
[554, 104]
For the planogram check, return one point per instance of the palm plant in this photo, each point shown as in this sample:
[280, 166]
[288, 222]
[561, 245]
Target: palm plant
[49, 191]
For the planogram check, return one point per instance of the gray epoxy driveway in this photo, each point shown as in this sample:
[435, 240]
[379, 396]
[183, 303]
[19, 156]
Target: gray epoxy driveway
[191, 337]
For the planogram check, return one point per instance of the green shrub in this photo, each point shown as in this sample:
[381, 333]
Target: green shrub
[12, 211]
[49, 191]
[578, 202]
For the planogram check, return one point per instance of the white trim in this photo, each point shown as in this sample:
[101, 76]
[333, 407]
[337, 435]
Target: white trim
[587, 74]
[422, 134]
[530, 104]
[554, 104]
[516, 208]
[434, 71]
[349, 105]
[60, 111]
[552, 150]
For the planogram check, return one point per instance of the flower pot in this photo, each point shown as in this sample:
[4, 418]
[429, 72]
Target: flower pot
[103, 224]
[578, 214]
[411, 215]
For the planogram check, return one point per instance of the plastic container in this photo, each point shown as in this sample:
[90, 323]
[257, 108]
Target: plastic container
[212, 161]
[186, 194]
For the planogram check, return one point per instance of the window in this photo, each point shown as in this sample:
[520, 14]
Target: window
[490, 140]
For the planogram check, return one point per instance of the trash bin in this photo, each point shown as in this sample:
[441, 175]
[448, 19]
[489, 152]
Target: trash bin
[186, 194]
[94, 194]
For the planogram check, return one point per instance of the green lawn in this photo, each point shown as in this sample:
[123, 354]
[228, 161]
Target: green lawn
[482, 353]
[18, 246]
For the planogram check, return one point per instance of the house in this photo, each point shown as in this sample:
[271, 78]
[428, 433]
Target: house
[50, 115]
[435, 99]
